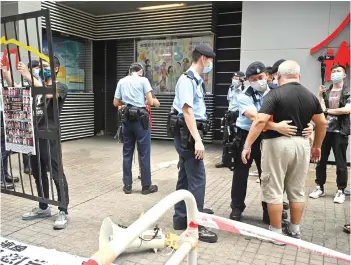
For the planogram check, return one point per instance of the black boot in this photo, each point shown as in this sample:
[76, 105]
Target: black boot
[149, 189]
[235, 215]
[127, 189]
[208, 211]
[220, 165]
[206, 235]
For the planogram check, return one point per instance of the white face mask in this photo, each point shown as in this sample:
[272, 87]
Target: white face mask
[260, 85]
[337, 77]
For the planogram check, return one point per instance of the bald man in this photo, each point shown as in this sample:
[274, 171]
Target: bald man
[285, 160]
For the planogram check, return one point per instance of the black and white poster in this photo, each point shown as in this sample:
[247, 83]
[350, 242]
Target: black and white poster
[15, 253]
[18, 120]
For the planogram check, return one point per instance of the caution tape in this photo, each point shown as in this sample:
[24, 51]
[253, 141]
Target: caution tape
[216, 222]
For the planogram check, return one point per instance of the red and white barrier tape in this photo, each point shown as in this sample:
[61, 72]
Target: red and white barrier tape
[224, 224]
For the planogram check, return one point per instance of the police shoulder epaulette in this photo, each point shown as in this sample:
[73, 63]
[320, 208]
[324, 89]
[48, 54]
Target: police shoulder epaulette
[191, 76]
[249, 91]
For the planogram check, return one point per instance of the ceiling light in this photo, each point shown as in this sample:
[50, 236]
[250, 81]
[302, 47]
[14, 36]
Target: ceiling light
[160, 6]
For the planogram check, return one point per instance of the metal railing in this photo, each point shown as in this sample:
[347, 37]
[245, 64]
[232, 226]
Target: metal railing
[109, 253]
[188, 245]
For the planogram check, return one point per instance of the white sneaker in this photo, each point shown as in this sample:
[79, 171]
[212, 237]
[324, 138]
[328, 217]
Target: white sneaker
[255, 173]
[61, 221]
[258, 180]
[339, 197]
[37, 213]
[317, 193]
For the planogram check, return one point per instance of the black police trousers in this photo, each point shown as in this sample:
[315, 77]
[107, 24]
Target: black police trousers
[241, 172]
[228, 136]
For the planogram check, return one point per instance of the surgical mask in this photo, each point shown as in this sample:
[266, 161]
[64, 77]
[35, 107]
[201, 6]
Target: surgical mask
[46, 74]
[235, 83]
[208, 68]
[260, 85]
[337, 77]
[36, 72]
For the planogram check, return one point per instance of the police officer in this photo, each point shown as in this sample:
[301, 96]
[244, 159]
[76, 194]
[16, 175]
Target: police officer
[132, 91]
[189, 106]
[230, 118]
[250, 101]
[274, 70]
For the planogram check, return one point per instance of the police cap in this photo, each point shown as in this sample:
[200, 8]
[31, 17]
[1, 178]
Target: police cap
[255, 68]
[238, 74]
[205, 50]
[276, 65]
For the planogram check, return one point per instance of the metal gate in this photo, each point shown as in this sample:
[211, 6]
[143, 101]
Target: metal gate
[30, 122]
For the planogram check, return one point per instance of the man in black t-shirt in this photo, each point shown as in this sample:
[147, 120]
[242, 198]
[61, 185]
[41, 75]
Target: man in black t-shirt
[47, 150]
[285, 160]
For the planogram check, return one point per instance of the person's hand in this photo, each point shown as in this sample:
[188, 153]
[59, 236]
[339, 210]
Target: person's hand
[308, 131]
[321, 90]
[315, 154]
[3, 68]
[199, 150]
[284, 128]
[245, 154]
[23, 69]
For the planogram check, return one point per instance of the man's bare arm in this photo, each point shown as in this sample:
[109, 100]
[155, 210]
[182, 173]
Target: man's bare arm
[320, 129]
[256, 129]
[340, 111]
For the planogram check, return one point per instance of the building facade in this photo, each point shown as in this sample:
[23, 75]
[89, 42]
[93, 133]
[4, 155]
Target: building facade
[112, 35]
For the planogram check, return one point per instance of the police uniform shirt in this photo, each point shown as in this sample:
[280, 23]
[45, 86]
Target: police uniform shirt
[132, 90]
[232, 97]
[192, 94]
[245, 102]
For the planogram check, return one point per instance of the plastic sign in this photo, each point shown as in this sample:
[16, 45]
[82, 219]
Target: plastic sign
[343, 54]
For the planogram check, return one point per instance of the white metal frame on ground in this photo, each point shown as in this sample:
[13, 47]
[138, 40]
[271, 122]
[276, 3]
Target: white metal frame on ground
[108, 254]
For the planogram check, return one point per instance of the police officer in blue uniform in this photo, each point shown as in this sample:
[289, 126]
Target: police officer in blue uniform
[190, 112]
[132, 91]
[250, 101]
[230, 117]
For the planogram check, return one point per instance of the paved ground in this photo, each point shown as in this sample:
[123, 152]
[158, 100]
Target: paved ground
[93, 169]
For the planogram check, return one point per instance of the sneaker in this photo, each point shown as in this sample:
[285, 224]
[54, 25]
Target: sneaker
[255, 173]
[61, 221]
[277, 243]
[127, 189]
[288, 232]
[37, 213]
[339, 197]
[258, 180]
[317, 193]
[149, 189]
[7, 186]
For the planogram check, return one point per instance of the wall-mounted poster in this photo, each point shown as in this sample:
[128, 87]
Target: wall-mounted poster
[18, 119]
[71, 56]
[166, 60]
